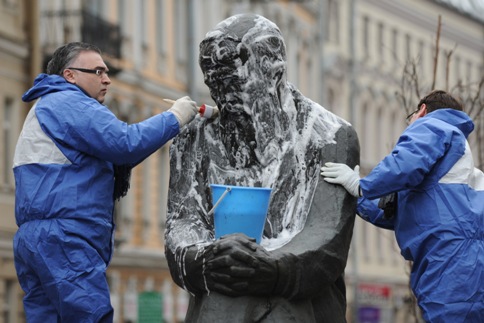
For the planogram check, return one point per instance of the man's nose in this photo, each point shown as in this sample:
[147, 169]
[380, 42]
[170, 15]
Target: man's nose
[106, 79]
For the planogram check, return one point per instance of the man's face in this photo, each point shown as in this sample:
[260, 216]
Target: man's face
[96, 86]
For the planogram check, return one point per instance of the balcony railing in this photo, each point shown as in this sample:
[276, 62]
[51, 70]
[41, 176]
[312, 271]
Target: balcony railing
[101, 33]
[60, 27]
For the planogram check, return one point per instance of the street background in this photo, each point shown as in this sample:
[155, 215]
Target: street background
[364, 60]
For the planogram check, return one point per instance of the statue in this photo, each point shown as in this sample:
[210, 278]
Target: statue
[268, 135]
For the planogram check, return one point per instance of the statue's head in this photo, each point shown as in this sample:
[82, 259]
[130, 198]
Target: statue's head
[243, 59]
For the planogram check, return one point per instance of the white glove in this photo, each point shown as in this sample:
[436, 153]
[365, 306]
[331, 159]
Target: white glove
[184, 110]
[336, 173]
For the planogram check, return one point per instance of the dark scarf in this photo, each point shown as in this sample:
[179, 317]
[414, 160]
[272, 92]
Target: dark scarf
[122, 175]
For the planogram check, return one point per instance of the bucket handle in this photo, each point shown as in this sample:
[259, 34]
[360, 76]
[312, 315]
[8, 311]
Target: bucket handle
[228, 189]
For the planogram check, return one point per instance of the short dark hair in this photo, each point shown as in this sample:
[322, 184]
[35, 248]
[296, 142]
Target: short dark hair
[64, 55]
[439, 99]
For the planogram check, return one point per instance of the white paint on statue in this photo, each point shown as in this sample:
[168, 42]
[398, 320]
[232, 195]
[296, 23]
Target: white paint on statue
[268, 135]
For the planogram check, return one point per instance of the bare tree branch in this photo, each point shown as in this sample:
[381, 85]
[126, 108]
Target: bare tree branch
[476, 101]
[437, 49]
[447, 67]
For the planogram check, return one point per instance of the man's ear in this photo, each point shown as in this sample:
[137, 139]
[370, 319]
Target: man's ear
[423, 110]
[69, 76]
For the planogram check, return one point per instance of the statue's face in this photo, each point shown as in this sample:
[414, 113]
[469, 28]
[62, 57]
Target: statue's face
[221, 63]
[243, 61]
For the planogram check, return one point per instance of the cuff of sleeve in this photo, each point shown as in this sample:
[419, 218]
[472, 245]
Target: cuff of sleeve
[193, 277]
[287, 279]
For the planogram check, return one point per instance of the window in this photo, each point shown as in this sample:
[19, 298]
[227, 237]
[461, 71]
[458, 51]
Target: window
[365, 243]
[408, 47]
[468, 71]
[181, 29]
[331, 100]
[7, 129]
[122, 16]
[381, 42]
[380, 248]
[160, 28]
[12, 4]
[366, 127]
[395, 129]
[457, 68]
[380, 133]
[366, 36]
[421, 56]
[8, 298]
[395, 48]
[143, 21]
[332, 22]
[298, 69]
[94, 7]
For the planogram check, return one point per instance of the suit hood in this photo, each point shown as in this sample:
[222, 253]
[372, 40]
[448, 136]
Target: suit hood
[456, 118]
[45, 84]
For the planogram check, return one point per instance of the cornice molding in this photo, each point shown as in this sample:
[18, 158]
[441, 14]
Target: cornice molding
[10, 47]
[139, 258]
[400, 9]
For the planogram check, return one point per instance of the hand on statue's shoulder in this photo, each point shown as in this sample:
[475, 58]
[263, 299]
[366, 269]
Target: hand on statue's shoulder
[345, 149]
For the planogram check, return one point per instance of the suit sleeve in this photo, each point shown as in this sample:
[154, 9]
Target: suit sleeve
[418, 149]
[93, 129]
[369, 211]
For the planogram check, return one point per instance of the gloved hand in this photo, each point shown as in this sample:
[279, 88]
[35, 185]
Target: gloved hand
[389, 205]
[336, 173]
[241, 267]
[184, 110]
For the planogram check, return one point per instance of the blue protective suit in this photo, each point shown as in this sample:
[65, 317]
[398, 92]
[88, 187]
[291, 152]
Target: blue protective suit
[64, 178]
[439, 217]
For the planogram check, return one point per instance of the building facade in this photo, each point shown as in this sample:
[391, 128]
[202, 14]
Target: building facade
[15, 75]
[348, 55]
[385, 37]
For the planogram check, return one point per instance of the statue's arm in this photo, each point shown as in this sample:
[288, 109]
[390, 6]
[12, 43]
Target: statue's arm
[316, 257]
[188, 229]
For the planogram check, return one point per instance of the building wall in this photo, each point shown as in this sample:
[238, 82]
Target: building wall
[347, 55]
[14, 59]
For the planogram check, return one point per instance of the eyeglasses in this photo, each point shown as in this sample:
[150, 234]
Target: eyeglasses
[411, 114]
[98, 71]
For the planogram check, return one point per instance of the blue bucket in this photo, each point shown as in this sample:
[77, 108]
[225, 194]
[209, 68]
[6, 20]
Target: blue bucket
[239, 209]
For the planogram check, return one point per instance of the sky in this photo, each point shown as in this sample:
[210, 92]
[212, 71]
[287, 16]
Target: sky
[474, 8]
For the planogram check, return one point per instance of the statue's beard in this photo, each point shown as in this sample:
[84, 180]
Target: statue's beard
[253, 135]
[237, 134]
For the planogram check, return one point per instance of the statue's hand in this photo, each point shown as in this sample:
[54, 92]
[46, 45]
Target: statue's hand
[241, 267]
[195, 258]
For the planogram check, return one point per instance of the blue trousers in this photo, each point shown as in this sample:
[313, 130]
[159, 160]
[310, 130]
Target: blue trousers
[63, 277]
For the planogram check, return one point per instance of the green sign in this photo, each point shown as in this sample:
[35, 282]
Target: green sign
[149, 307]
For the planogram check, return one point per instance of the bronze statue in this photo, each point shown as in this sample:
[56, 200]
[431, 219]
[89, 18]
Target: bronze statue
[268, 135]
